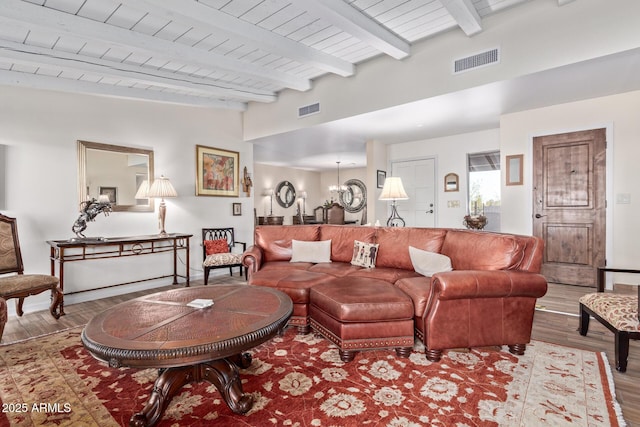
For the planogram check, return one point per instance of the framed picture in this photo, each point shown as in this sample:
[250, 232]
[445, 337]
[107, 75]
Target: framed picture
[451, 182]
[112, 192]
[514, 169]
[237, 209]
[382, 175]
[217, 172]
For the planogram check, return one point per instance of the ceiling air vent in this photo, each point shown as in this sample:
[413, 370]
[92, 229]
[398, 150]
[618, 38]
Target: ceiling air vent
[309, 109]
[475, 61]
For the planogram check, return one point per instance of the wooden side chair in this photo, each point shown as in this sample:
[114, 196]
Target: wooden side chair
[217, 247]
[618, 312]
[318, 216]
[13, 282]
[335, 214]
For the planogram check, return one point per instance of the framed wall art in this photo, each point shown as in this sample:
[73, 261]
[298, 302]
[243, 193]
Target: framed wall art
[217, 172]
[237, 209]
[514, 169]
[111, 192]
[382, 175]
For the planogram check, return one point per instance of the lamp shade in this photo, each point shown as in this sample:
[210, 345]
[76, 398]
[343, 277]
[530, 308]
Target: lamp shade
[143, 190]
[393, 189]
[162, 188]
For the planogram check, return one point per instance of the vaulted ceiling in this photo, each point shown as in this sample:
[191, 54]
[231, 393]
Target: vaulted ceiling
[218, 53]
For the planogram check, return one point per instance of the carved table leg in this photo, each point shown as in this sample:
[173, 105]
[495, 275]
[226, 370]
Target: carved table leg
[222, 373]
[166, 386]
[242, 360]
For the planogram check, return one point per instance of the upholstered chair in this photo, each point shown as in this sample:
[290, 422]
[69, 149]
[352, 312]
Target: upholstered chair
[3, 315]
[619, 312]
[13, 282]
[217, 251]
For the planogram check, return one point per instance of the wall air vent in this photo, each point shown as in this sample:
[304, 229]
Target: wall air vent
[309, 109]
[475, 61]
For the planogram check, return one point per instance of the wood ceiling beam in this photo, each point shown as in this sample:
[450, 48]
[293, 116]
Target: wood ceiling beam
[38, 56]
[200, 15]
[353, 21]
[35, 81]
[47, 19]
[465, 15]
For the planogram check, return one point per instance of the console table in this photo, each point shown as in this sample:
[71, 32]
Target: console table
[63, 251]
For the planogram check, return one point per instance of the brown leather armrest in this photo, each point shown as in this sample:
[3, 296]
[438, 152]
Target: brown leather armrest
[252, 259]
[488, 284]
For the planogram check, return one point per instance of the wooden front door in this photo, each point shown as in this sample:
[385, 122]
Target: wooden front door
[569, 204]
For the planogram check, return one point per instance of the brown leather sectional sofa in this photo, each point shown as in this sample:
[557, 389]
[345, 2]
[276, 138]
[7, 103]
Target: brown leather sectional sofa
[488, 299]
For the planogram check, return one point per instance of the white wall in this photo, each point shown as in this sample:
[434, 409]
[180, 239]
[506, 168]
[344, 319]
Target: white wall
[450, 154]
[376, 160]
[40, 129]
[619, 114]
[3, 168]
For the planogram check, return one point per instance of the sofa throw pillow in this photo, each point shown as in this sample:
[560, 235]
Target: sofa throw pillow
[218, 246]
[364, 254]
[428, 263]
[316, 251]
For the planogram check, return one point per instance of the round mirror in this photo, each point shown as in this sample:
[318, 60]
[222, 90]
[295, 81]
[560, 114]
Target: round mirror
[354, 198]
[285, 194]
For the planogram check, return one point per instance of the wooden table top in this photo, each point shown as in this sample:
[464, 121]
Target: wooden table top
[160, 330]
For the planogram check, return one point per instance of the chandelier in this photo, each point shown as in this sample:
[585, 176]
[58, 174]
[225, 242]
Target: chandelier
[339, 188]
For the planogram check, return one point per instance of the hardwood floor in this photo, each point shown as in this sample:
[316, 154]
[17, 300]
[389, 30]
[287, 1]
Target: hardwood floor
[555, 321]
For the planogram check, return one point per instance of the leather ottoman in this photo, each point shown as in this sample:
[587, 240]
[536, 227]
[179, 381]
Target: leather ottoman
[358, 313]
[296, 284]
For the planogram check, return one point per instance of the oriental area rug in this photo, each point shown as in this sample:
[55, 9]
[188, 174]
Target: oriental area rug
[300, 381]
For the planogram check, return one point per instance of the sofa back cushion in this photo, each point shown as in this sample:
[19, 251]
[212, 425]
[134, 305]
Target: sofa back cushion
[481, 250]
[533, 252]
[275, 240]
[342, 238]
[394, 244]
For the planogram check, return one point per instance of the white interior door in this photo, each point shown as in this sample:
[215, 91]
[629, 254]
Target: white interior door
[418, 178]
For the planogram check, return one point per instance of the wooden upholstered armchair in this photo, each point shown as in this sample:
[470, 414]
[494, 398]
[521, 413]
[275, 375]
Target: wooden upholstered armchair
[217, 251]
[13, 282]
[620, 313]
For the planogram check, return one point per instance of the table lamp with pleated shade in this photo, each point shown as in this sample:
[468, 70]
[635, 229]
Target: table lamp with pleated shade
[394, 190]
[161, 188]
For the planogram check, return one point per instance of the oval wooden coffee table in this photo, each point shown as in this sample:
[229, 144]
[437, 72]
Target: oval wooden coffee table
[189, 344]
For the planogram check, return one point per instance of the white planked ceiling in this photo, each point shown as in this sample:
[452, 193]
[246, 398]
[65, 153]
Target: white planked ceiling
[217, 53]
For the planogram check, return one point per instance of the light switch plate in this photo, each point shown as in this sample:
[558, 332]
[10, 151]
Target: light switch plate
[623, 198]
